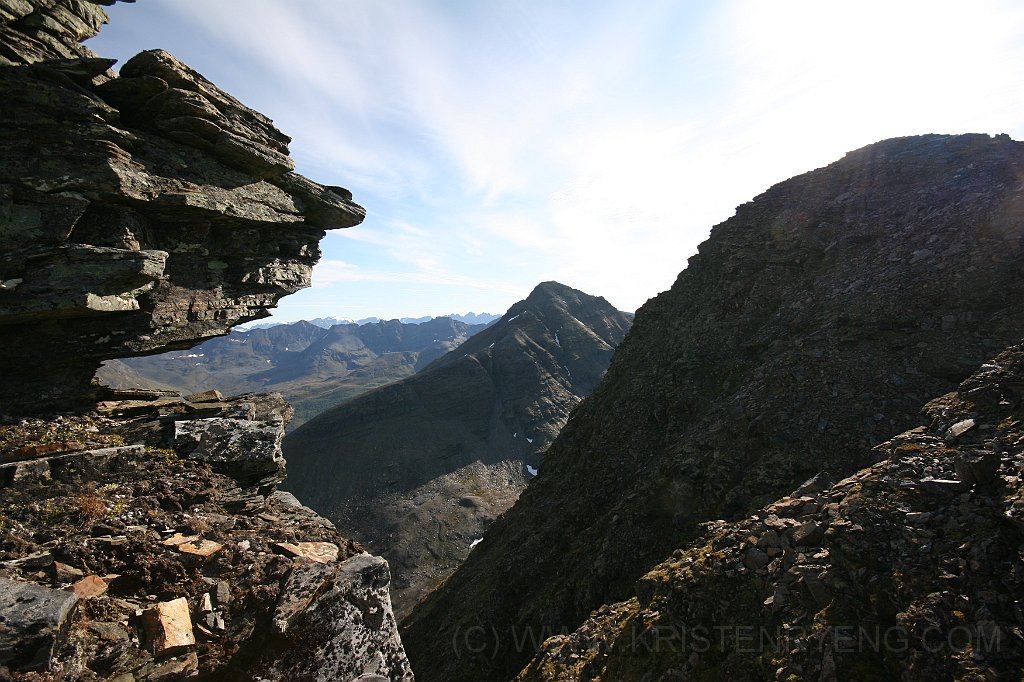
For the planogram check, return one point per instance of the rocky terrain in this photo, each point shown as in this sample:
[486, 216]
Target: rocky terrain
[314, 368]
[907, 570]
[140, 213]
[151, 536]
[141, 534]
[810, 327]
[419, 469]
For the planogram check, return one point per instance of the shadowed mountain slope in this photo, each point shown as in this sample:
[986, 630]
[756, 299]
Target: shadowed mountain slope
[809, 327]
[907, 570]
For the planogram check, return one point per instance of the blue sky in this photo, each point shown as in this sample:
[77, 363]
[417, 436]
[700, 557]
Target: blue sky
[498, 144]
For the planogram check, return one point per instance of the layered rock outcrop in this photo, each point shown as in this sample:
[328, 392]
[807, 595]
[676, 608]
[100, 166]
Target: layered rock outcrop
[138, 213]
[142, 537]
[907, 570]
[38, 30]
[810, 327]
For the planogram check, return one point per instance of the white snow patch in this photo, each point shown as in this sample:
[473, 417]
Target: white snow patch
[194, 355]
[475, 543]
[515, 435]
[529, 440]
[531, 470]
[492, 345]
[513, 318]
[558, 342]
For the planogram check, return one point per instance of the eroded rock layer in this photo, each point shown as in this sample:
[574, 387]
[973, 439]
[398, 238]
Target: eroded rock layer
[810, 327]
[138, 213]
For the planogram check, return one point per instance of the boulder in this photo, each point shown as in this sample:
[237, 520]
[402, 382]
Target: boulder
[338, 624]
[168, 627]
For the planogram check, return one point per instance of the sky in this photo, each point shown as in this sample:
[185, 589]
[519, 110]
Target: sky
[497, 144]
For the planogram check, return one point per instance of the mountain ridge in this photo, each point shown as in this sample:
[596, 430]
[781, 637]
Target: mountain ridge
[312, 366]
[809, 327]
[419, 468]
[469, 318]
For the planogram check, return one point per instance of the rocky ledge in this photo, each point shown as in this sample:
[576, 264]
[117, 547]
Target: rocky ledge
[146, 541]
[138, 213]
[907, 570]
[141, 535]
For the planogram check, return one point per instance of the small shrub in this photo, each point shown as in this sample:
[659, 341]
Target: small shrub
[90, 507]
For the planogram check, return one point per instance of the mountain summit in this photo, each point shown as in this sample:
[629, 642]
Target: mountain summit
[475, 424]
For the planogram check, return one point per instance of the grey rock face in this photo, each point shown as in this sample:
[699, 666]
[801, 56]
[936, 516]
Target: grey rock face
[141, 213]
[36, 30]
[33, 621]
[338, 624]
[246, 447]
[137, 213]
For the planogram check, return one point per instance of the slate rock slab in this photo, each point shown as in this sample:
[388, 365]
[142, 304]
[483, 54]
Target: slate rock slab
[32, 623]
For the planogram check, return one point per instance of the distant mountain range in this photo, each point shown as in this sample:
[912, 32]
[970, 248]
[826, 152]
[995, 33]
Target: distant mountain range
[469, 318]
[419, 468]
[314, 367]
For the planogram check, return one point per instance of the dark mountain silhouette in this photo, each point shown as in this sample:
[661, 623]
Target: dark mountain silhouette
[810, 326]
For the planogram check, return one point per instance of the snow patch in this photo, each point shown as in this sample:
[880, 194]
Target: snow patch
[558, 342]
[513, 318]
[530, 470]
[475, 543]
[529, 440]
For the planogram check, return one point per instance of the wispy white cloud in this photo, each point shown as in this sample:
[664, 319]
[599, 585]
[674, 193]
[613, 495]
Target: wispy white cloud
[330, 272]
[496, 144]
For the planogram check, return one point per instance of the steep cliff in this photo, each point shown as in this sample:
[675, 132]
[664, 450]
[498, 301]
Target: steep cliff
[142, 537]
[138, 213]
[907, 570]
[418, 469]
[809, 327]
